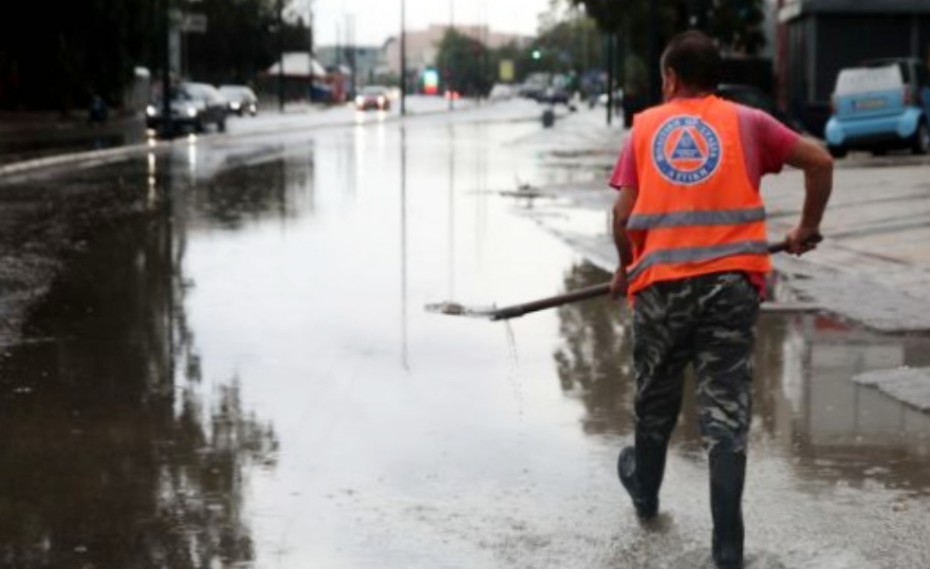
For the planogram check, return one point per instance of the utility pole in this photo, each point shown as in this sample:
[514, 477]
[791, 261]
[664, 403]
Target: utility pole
[353, 53]
[403, 57]
[167, 130]
[449, 88]
[310, 46]
[281, 55]
[655, 81]
[610, 77]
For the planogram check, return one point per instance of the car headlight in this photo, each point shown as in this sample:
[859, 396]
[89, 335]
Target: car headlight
[191, 112]
[235, 105]
[380, 101]
[360, 100]
[151, 111]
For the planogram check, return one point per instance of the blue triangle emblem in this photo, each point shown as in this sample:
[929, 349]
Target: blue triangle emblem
[687, 148]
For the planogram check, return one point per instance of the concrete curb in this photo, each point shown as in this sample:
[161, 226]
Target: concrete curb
[93, 157]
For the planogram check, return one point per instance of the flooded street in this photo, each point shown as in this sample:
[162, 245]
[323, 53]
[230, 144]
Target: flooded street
[221, 359]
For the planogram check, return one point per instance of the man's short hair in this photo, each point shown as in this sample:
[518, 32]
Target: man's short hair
[694, 57]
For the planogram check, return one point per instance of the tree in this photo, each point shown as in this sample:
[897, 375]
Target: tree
[465, 64]
[573, 44]
[77, 49]
[645, 25]
[735, 24]
[214, 58]
[87, 47]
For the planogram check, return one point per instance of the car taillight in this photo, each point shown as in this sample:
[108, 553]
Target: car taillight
[833, 104]
[906, 96]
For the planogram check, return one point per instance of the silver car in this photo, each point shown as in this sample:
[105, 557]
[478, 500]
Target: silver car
[241, 99]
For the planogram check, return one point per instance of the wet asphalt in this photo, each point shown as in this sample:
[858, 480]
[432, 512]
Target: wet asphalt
[220, 358]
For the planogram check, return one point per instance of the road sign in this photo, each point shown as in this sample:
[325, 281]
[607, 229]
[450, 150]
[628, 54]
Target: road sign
[506, 70]
[194, 23]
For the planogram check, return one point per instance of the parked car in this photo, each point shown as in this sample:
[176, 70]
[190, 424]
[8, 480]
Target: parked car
[373, 97]
[501, 91]
[554, 96]
[193, 107]
[757, 98]
[880, 105]
[240, 99]
[602, 99]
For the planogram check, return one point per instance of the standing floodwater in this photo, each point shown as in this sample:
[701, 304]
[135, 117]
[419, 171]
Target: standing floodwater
[228, 364]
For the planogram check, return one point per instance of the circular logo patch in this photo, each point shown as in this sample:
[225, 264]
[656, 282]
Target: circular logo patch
[686, 150]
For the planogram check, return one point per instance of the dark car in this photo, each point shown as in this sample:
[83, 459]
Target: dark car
[193, 107]
[554, 96]
[756, 98]
[240, 99]
[373, 98]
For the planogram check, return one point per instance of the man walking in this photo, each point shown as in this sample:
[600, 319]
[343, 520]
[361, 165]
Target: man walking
[689, 225]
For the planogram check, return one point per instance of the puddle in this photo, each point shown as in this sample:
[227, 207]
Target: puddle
[233, 368]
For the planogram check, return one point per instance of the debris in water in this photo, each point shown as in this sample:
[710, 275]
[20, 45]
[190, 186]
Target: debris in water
[456, 309]
[453, 308]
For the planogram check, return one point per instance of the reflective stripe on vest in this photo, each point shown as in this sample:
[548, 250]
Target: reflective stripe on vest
[693, 254]
[685, 218]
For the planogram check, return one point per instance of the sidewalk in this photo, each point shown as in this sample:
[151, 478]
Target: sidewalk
[26, 136]
[873, 268]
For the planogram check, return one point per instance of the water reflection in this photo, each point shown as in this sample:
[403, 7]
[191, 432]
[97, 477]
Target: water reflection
[807, 406]
[53, 139]
[594, 362]
[109, 457]
[278, 188]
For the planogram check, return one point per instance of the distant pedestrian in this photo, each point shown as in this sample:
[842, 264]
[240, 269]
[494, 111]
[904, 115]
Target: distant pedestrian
[689, 226]
[97, 113]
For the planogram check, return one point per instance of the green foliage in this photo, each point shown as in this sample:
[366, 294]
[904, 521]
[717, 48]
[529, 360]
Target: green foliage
[58, 58]
[241, 40]
[735, 23]
[563, 46]
[572, 44]
[465, 64]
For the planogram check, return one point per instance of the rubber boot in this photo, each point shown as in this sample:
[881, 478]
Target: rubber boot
[727, 478]
[650, 465]
[641, 470]
[646, 506]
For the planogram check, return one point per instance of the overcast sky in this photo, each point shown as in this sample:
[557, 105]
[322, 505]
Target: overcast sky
[376, 20]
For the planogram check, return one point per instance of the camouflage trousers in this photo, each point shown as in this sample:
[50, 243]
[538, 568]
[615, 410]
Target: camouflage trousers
[709, 322]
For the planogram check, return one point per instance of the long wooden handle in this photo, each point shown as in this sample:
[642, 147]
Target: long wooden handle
[518, 310]
[602, 289]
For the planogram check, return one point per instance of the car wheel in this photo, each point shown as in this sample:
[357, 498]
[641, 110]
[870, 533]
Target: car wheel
[221, 125]
[921, 144]
[837, 151]
[198, 127]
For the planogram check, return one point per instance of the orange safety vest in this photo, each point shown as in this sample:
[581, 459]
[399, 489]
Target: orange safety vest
[696, 210]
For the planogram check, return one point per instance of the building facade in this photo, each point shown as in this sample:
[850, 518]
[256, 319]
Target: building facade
[423, 45]
[367, 62]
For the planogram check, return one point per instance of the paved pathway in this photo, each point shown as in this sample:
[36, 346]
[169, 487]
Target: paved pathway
[873, 268]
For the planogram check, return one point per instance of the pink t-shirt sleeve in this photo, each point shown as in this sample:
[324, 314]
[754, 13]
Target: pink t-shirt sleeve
[624, 174]
[766, 143]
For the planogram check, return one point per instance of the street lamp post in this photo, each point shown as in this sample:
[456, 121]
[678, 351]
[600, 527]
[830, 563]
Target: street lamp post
[403, 57]
[167, 131]
[449, 88]
[310, 48]
[281, 55]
